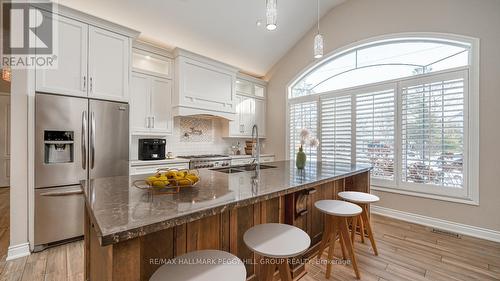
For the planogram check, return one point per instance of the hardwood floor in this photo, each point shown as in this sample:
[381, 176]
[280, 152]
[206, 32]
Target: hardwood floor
[407, 252]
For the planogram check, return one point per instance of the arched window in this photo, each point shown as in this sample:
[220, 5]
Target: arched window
[400, 104]
[382, 61]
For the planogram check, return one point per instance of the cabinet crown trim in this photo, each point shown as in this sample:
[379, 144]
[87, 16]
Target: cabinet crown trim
[178, 52]
[89, 19]
[152, 48]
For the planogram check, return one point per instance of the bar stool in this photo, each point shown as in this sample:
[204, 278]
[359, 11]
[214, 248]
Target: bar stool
[202, 266]
[276, 243]
[363, 200]
[336, 214]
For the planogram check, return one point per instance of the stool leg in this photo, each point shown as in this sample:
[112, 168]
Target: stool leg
[342, 247]
[361, 229]
[268, 269]
[366, 219]
[334, 227]
[284, 269]
[326, 235]
[354, 226]
[344, 231]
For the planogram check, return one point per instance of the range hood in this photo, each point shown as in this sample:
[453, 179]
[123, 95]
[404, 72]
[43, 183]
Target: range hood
[202, 113]
[203, 87]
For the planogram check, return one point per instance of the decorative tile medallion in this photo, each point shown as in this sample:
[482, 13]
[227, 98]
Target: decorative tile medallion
[196, 129]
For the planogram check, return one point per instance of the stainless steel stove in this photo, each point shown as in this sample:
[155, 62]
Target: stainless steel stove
[207, 161]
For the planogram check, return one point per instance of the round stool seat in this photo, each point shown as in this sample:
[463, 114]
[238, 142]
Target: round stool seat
[202, 266]
[358, 197]
[275, 240]
[338, 208]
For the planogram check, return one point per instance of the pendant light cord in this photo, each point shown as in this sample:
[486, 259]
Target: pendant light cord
[318, 13]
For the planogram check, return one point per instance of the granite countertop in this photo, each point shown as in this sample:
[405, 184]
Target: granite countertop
[120, 211]
[157, 162]
[249, 156]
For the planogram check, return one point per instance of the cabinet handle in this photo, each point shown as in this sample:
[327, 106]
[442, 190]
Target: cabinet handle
[148, 122]
[153, 118]
[311, 191]
[302, 213]
[84, 83]
[91, 85]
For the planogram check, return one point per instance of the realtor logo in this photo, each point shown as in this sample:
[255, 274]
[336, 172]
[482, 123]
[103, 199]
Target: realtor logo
[27, 37]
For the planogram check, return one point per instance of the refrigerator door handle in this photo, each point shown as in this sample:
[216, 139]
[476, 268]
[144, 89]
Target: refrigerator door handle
[84, 140]
[92, 140]
[63, 193]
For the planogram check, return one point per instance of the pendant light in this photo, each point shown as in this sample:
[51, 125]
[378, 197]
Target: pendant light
[318, 41]
[271, 14]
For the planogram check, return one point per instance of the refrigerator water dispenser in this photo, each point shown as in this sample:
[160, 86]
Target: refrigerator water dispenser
[59, 147]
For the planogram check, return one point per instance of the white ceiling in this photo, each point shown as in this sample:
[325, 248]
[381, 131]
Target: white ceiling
[225, 30]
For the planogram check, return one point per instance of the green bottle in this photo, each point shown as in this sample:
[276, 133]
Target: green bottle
[301, 159]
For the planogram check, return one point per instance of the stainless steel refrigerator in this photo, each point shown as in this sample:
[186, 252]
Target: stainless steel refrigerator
[75, 139]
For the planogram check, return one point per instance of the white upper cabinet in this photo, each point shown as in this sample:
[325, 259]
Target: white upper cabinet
[70, 76]
[203, 86]
[260, 116]
[250, 107]
[109, 65]
[150, 105]
[140, 103]
[93, 58]
[161, 105]
[152, 64]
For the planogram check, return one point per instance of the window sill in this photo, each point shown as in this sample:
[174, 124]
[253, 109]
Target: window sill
[468, 201]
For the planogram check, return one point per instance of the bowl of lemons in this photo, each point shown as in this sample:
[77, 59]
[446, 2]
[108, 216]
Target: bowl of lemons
[170, 179]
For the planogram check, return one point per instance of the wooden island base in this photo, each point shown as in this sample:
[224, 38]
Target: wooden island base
[137, 258]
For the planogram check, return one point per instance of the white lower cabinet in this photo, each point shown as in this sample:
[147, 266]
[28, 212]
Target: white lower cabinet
[250, 160]
[150, 105]
[265, 159]
[241, 161]
[151, 169]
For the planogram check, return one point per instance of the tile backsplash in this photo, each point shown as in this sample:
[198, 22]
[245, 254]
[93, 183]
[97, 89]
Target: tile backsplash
[194, 135]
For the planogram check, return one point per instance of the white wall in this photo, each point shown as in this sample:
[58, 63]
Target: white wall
[356, 20]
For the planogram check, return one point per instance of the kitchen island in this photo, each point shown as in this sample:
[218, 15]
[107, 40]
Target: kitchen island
[130, 232]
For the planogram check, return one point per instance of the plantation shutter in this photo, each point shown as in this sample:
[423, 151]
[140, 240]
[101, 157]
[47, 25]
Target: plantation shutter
[303, 115]
[336, 129]
[375, 126]
[432, 136]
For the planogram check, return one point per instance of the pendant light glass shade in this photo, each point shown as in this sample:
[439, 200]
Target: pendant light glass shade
[271, 14]
[318, 46]
[318, 40]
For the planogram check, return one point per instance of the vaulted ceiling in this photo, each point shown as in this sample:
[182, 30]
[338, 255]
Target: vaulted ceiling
[224, 30]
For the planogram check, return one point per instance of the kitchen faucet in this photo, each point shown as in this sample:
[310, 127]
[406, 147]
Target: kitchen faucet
[255, 131]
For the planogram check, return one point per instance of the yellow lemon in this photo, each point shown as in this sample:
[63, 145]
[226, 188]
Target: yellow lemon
[194, 178]
[159, 181]
[170, 174]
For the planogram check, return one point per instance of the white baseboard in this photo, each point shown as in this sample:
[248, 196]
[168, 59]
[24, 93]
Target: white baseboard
[464, 229]
[18, 251]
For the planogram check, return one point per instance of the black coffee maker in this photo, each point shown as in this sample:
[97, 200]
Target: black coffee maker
[152, 149]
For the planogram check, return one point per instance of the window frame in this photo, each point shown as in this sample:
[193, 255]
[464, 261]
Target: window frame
[471, 118]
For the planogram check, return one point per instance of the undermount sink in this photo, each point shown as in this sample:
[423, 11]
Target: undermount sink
[243, 168]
